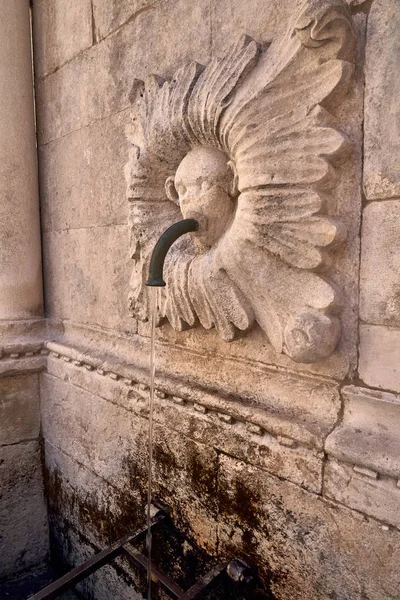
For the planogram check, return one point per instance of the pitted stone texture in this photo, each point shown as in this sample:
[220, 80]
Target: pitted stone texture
[380, 356]
[184, 470]
[23, 518]
[80, 177]
[380, 264]
[301, 543]
[375, 496]
[382, 111]
[106, 72]
[19, 409]
[113, 14]
[87, 275]
[61, 31]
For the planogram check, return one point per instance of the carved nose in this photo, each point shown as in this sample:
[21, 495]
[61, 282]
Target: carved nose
[187, 202]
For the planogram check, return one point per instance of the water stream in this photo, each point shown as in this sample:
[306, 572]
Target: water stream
[153, 313]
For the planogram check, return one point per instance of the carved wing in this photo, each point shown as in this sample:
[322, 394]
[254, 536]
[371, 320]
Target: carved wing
[269, 111]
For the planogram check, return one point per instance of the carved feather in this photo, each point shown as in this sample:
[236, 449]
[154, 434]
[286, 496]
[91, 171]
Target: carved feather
[268, 111]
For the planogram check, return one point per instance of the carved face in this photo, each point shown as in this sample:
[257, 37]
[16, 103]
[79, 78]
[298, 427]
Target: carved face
[203, 186]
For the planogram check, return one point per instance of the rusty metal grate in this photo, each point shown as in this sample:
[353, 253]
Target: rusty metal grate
[237, 570]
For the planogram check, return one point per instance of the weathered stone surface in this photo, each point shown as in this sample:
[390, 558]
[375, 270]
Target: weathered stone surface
[23, 519]
[379, 356]
[260, 18]
[115, 63]
[239, 424]
[19, 409]
[114, 446]
[301, 542]
[88, 275]
[367, 435]
[20, 253]
[367, 492]
[101, 511]
[61, 31]
[380, 264]
[80, 177]
[382, 112]
[110, 16]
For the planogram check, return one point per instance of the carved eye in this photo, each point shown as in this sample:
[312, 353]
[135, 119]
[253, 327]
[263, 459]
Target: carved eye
[206, 185]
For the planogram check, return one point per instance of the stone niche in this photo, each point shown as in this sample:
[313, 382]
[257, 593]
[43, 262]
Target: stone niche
[275, 125]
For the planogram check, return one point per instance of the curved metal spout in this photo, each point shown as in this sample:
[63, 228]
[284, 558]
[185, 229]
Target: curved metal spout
[163, 245]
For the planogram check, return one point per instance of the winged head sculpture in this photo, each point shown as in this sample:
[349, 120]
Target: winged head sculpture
[247, 147]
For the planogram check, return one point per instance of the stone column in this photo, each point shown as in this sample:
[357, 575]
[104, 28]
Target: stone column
[20, 248]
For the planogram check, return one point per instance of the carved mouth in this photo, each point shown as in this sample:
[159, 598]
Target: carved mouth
[202, 221]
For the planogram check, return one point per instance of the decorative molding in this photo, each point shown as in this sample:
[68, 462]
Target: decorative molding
[23, 345]
[254, 412]
[370, 492]
[143, 390]
[247, 147]
[368, 435]
[193, 413]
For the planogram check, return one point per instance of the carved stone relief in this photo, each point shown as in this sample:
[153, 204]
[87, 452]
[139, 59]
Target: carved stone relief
[248, 147]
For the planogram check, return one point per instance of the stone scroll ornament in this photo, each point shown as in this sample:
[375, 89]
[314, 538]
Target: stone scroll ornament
[246, 146]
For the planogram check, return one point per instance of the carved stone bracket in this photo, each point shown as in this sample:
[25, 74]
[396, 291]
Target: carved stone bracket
[247, 147]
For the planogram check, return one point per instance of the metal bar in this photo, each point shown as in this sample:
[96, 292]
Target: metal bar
[204, 583]
[93, 564]
[157, 575]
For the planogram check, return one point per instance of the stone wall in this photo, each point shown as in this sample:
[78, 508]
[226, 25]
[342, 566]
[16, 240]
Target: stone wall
[24, 540]
[292, 465]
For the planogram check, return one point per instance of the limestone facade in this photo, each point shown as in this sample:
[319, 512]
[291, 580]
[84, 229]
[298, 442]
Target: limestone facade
[24, 540]
[280, 445]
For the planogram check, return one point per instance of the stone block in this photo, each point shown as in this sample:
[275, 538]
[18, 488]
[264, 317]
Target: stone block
[304, 546]
[370, 494]
[19, 409]
[380, 264]
[87, 273]
[23, 518]
[82, 177]
[115, 63]
[367, 435]
[382, 111]
[61, 30]
[110, 16]
[380, 356]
